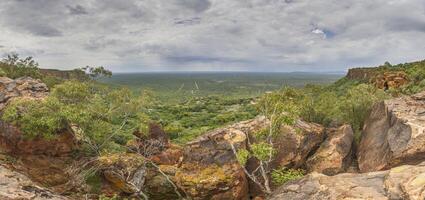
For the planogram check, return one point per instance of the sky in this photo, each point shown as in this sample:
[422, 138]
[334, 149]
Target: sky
[214, 35]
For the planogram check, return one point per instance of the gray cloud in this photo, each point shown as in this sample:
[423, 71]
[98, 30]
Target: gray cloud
[251, 35]
[77, 10]
[196, 5]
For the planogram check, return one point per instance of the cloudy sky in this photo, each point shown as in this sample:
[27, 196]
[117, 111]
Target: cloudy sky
[220, 35]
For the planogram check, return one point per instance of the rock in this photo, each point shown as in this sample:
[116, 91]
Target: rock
[25, 87]
[211, 155]
[212, 182]
[131, 173]
[15, 186]
[157, 187]
[334, 154]
[293, 145]
[391, 79]
[12, 141]
[296, 143]
[406, 182]
[394, 134]
[124, 171]
[171, 156]
[214, 147]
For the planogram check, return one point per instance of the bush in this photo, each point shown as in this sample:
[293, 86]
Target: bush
[2, 73]
[283, 175]
[105, 119]
[15, 67]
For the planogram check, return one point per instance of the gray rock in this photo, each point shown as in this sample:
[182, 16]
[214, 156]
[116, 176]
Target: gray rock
[22, 87]
[394, 134]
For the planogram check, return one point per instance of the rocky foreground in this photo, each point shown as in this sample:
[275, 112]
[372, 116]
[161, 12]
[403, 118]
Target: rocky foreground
[404, 182]
[390, 154]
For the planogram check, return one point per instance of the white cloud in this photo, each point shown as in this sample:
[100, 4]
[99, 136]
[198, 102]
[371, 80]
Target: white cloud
[252, 35]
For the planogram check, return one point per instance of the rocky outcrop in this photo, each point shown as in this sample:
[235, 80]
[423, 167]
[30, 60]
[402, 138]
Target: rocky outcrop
[12, 141]
[213, 147]
[210, 170]
[393, 134]
[124, 171]
[22, 87]
[391, 79]
[361, 74]
[44, 161]
[405, 182]
[215, 182]
[335, 153]
[296, 143]
[15, 186]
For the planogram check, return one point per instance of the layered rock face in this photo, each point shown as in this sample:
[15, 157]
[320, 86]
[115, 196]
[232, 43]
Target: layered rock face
[44, 161]
[335, 153]
[210, 170]
[405, 182]
[388, 80]
[295, 143]
[394, 134]
[15, 186]
[22, 87]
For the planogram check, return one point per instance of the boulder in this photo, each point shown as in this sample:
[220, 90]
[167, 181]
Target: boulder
[293, 146]
[15, 186]
[13, 141]
[129, 174]
[391, 79]
[295, 143]
[214, 147]
[25, 87]
[209, 169]
[334, 154]
[394, 134]
[406, 182]
[124, 171]
[212, 182]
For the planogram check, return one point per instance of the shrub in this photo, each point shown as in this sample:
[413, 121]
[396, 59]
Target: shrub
[2, 73]
[283, 175]
[105, 119]
[15, 67]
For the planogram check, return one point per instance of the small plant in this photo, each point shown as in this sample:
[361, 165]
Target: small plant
[283, 175]
[242, 156]
[104, 197]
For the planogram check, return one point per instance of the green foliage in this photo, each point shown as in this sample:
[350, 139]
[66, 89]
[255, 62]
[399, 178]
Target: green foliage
[36, 118]
[2, 72]
[105, 118]
[15, 67]
[187, 120]
[242, 156]
[97, 72]
[343, 102]
[262, 151]
[355, 105]
[104, 197]
[283, 175]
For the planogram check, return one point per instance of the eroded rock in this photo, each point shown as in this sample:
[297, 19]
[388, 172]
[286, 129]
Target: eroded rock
[335, 153]
[394, 134]
[15, 186]
[202, 182]
[22, 87]
[406, 182]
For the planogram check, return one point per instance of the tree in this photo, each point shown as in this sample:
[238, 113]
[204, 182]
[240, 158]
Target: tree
[15, 67]
[279, 109]
[102, 118]
[96, 72]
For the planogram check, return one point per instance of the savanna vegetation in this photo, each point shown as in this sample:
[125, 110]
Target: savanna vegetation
[104, 116]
